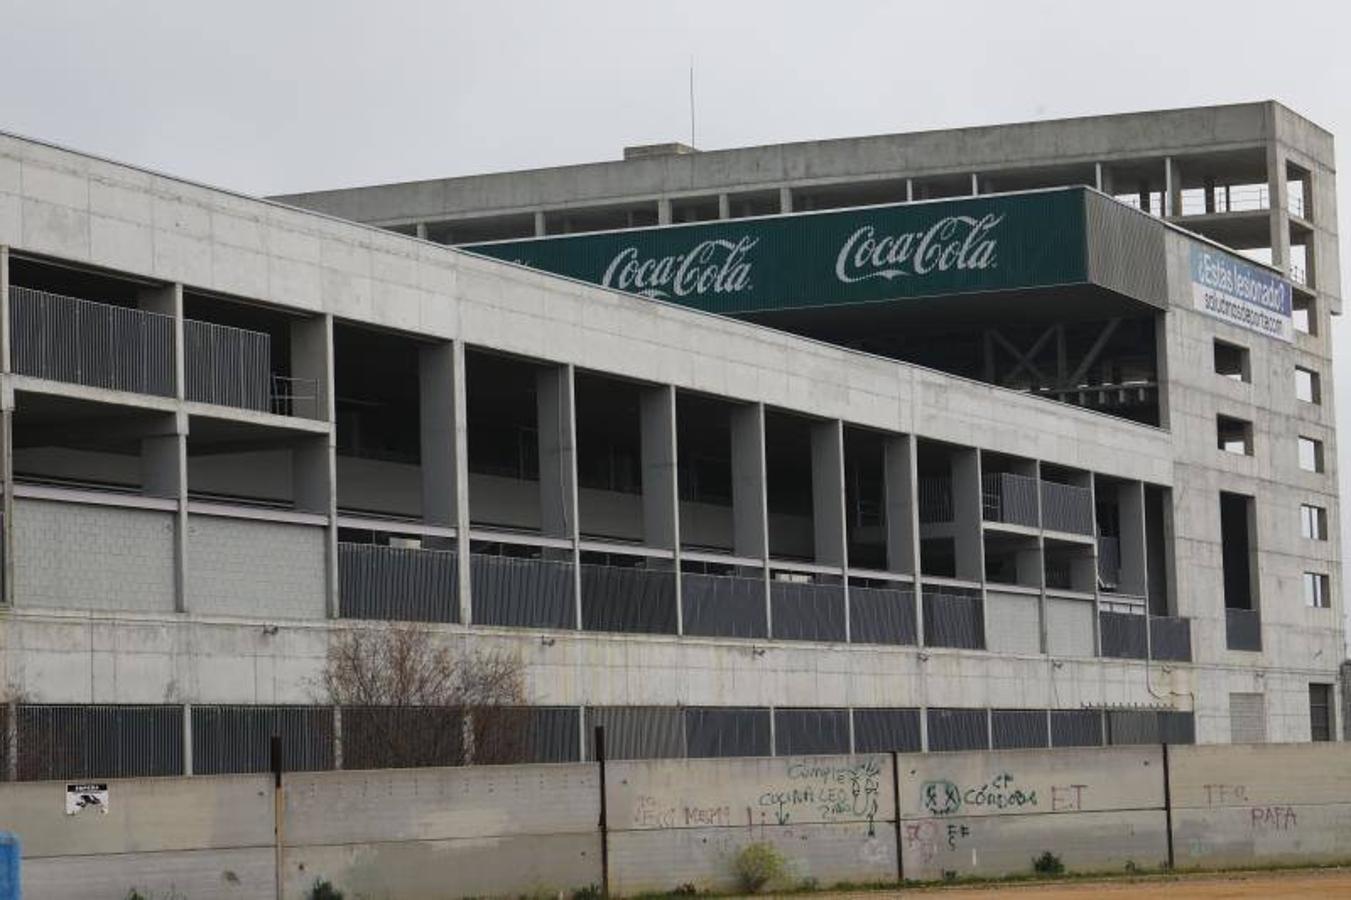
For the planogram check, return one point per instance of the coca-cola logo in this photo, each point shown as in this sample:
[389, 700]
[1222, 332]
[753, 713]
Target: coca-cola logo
[954, 242]
[715, 266]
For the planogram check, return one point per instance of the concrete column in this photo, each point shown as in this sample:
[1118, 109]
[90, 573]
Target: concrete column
[187, 738]
[314, 465]
[461, 462]
[164, 451]
[5, 364]
[1042, 624]
[750, 535]
[975, 184]
[1097, 176]
[785, 199]
[541, 229]
[909, 190]
[312, 366]
[658, 447]
[1280, 217]
[7, 474]
[724, 206]
[420, 230]
[902, 510]
[557, 424]
[828, 505]
[436, 414]
[1130, 504]
[966, 515]
[664, 211]
[1172, 187]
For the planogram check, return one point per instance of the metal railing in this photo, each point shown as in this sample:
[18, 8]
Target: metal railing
[1109, 562]
[1009, 498]
[396, 583]
[806, 610]
[1299, 274]
[723, 605]
[1059, 574]
[1243, 629]
[59, 741]
[628, 599]
[953, 620]
[521, 592]
[1124, 635]
[227, 366]
[882, 615]
[1294, 200]
[95, 344]
[935, 498]
[1066, 507]
[1225, 199]
[1170, 638]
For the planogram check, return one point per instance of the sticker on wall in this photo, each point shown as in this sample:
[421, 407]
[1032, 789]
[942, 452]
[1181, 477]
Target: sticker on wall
[84, 797]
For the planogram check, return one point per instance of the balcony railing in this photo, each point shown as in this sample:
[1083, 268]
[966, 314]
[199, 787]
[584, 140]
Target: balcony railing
[94, 344]
[521, 592]
[1066, 507]
[1124, 635]
[806, 611]
[397, 583]
[723, 605]
[1243, 629]
[1109, 562]
[953, 620]
[935, 499]
[1170, 638]
[882, 615]
[1009, 498]
[628, 599]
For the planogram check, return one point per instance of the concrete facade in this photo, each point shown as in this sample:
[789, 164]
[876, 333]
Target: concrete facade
[253, 593]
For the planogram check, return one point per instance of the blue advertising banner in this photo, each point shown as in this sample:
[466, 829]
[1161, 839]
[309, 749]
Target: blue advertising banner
[1242, 294]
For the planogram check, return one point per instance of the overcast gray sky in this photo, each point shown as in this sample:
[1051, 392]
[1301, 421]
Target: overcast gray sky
[276, 96]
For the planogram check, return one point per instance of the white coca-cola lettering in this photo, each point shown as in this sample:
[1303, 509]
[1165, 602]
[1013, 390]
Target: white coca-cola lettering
[710, 267]
[955, 242]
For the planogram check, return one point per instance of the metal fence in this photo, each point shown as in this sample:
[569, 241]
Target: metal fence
[1170, 638]
[1009, 498]
[628, 599]
[807, 732]
[806, 611]
[1124, 635]
[1076, 728]
[883, 730]
[882, 615]
[727, 731]
[521, 592]
[958, 729]
[397, 583]
[1109, 562]
[935, 498]
[95, 344]
[1243, 629]
[99, 741]
[227, 366]
[723, 605]
[238, 738]
[953, 619]
[1019, 729]
[1147, 726]
[1066, 507]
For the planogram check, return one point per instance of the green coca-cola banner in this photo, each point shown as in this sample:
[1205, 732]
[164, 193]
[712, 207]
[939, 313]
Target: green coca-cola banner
[842, 257]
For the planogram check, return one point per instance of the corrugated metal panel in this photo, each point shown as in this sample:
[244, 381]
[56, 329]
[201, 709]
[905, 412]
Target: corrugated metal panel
[806, 611]
[4, 742]
[884, 730]
[637, 732]
[227, 366]
[237, 739]
[1177, 727]
[1066, 507]
[882, 615]
[1010, 498]
[397, 583]
[1076, 728]
[935, 499]
[725, 731]
[1125, 250]
[105, 741]
[1243, 629]
[811, 732]
[626, 599]
[387, 737]
[1247, 718]
[1170, 638]
[552, 735]
[723, 605]
[1123, 635]
[1017, 729]
[96, 344]
[520, 592]
[953, 618]
[958, 729]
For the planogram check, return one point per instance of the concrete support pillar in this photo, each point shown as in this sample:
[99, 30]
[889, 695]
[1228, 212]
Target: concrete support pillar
[5, 365]
[1084, 566]
[557, 452]
[7, 474]
[187, 738]
[1172, 187]
[909, 190]
[724, 206]
[541, 229]
[1279, 213]
[420, 230]
[664, 211]
[968, 534]
[750, 535]
[314, 463]
[828, 505]
[1130, 505]
[658, 448]
[436, 416]
[902, 509]
[312, 367]
[1098, 175]
[164, 449]
[975, 184]
[460, 461]
[785, 199]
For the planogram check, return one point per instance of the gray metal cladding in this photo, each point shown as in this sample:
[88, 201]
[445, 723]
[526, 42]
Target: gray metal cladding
[227, 366]
[1066, 507]
[96, 344]
[1123, 635]
[723, 605]
[1010, 498]
[1243, 629]
[884, 730]
[521, 592]
[628, 599]
[882, 615]
[1076, 728]
[811, 732]
[551, 735]
[1170, 638]
[237, 739]
[1018, 729]
[958, 729]
[935, 498]
[397, 583]
[637, 732]
[1126, 251]
[725, 731]
[1177, 727]
[436, 732]
[1149, 726]
[807, 611]
[66, 742]
[953, 618]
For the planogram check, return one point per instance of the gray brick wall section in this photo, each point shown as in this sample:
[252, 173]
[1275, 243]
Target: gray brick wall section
[93, 557]
[251, 568]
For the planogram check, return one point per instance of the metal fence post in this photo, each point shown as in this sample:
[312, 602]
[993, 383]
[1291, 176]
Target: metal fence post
[278, 807]
[604, 823]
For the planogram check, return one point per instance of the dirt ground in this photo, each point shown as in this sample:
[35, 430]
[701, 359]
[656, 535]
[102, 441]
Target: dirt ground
[1302, 884]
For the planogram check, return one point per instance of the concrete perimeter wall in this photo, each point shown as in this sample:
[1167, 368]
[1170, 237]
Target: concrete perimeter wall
[534, 830]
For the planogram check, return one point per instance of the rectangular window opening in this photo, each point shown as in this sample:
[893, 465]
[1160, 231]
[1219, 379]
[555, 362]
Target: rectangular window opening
[1320, 712]
[1232, 361]
[1313, 522]
[1316, 593]
[1233, 435]
[1310, 454]
[1307, 385]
